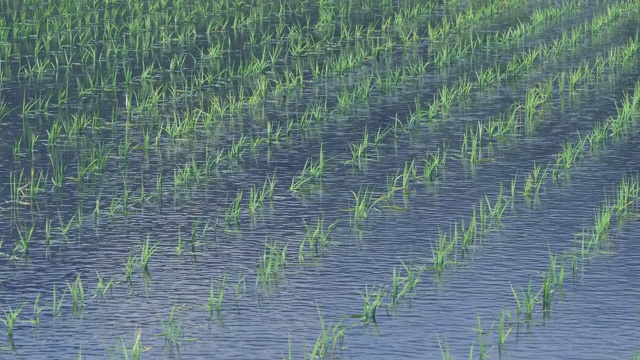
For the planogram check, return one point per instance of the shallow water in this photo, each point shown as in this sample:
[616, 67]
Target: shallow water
[592, 316]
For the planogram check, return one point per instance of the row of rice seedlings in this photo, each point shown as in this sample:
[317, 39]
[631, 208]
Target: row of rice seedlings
[471, 148]
[456, 24]
[472, 145]
[489, 216]
[514, 35]
[433, 169]
[552, 281]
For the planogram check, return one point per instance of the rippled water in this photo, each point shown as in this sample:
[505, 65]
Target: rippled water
[593, 316]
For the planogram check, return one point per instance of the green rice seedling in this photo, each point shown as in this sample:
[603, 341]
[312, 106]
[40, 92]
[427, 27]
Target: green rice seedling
[57, 177]
[37, 310]
[575, 76]
[102, 287]
[503, 333]
[433, 162]
[10, 318]
[330, 339]
[602, 224]
[445, 353]
[380, 135]
[316, 238]
[216, 296]
[362, 206]
[136, 350]
[372, 301]
[273, 136]
[194, 234]
[172, 329]
[525, 301]
[22, 245]
[77, 293]
[254, 144]
[568, 156]
[232, 216]
[534, 99]
[409, 173]
[96, 209]
[417, 116]
[256, 198]
[599, 135]
[145, 254]
[269, 186]
[56, 304]
[402, 286]
[627, 194]
[271, 264]
[496, 211]
[359, 152]
[443, 252]
[468, 233]
[64, 229]
[556, 275]
[471, 148]
[236, 150]
[132, 261]
[311, 175]
[538, 177]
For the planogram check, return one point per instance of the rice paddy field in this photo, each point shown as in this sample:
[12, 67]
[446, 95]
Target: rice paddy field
[330, 179]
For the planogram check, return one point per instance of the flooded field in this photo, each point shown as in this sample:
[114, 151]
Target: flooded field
[248, 179]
